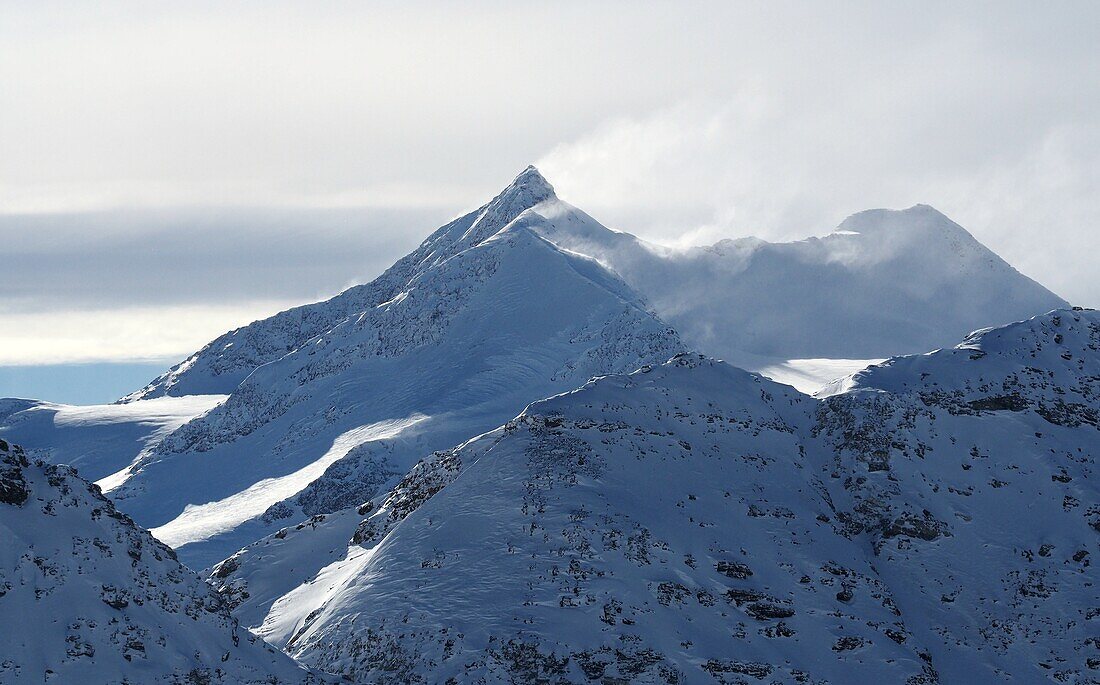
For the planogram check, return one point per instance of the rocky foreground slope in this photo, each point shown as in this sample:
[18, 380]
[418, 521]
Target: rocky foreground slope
[936, 521]
[88, 597]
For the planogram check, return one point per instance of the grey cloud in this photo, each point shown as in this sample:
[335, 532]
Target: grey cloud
[136, 258]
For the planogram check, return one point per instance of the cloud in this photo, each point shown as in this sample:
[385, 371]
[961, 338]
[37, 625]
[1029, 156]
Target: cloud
[123, 259]
[165, 334]
[128, 104]
[158, 284]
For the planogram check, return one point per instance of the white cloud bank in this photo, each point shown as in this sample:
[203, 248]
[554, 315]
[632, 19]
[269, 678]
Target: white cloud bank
[113, 335]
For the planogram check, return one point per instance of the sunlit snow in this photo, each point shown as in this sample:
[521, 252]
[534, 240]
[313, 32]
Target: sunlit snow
[199, 522]
[811, 375]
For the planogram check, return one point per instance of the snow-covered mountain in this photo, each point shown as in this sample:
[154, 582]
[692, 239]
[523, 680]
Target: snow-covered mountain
[486, 317]
[220, 366]
[883, 283]
[907, 281]
[935, 520]
[989, 452]
[88, 597]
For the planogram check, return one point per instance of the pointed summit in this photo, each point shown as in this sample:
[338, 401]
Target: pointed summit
[527, 190]
[531, 180]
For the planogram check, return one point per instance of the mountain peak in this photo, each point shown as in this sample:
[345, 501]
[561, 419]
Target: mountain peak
[530, 188]
[919, 221]
[527, 190]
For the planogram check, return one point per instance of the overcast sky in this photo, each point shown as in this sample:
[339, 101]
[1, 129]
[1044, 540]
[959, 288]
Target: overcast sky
[172, 170]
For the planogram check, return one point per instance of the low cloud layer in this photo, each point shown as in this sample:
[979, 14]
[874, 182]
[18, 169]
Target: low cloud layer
[215, 256]
[158, 284]
[170, 171]
[163, 333]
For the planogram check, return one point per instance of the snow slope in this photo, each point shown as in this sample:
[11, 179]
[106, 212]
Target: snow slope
[492, 317]
[88, 597]
[990, 450]
[97, 440]
[935, 522]
[652, 528]
[221, 365]
[266, 571]
[812, 375]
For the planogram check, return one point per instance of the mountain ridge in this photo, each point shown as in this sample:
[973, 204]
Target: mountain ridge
[740, 300]
[693, 521]
[908, 280]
